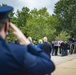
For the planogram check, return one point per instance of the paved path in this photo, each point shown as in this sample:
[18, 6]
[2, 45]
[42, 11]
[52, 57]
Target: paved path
[65, 65]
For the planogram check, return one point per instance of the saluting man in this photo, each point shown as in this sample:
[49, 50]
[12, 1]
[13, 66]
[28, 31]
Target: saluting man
[23, 58]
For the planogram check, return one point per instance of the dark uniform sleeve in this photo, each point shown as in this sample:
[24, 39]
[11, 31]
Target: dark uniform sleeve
[36, 62]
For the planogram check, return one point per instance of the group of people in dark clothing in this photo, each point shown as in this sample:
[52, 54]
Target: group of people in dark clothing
[64, 47]
[59, 47]
[55, 48]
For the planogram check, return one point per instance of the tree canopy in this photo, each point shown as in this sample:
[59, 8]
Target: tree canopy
[39, 23]
[65, 11]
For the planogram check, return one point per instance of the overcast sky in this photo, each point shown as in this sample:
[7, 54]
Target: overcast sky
[31, 4]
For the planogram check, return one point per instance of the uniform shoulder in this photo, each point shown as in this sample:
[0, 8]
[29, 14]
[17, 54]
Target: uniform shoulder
[17, 48]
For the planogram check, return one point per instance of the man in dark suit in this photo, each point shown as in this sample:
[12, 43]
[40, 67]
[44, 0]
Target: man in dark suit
[20, 58]
[46, 47]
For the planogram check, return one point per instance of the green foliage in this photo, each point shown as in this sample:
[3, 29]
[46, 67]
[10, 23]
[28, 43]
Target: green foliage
[39, 25]
[65, 11]
[63, 36]
[22, 18]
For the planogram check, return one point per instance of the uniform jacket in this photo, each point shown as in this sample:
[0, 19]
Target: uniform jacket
[16, 59]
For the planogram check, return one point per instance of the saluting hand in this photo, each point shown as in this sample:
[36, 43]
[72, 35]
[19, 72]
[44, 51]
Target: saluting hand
[20, 36]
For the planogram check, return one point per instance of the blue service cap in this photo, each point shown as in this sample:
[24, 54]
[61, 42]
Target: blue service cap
[4, 10]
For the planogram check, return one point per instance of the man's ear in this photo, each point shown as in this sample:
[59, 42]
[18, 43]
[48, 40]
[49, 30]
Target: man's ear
[6, 27]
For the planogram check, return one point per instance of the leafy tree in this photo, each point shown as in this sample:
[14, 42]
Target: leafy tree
[35, 23]
[39, 25]
[65, 11]
[22, 18]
